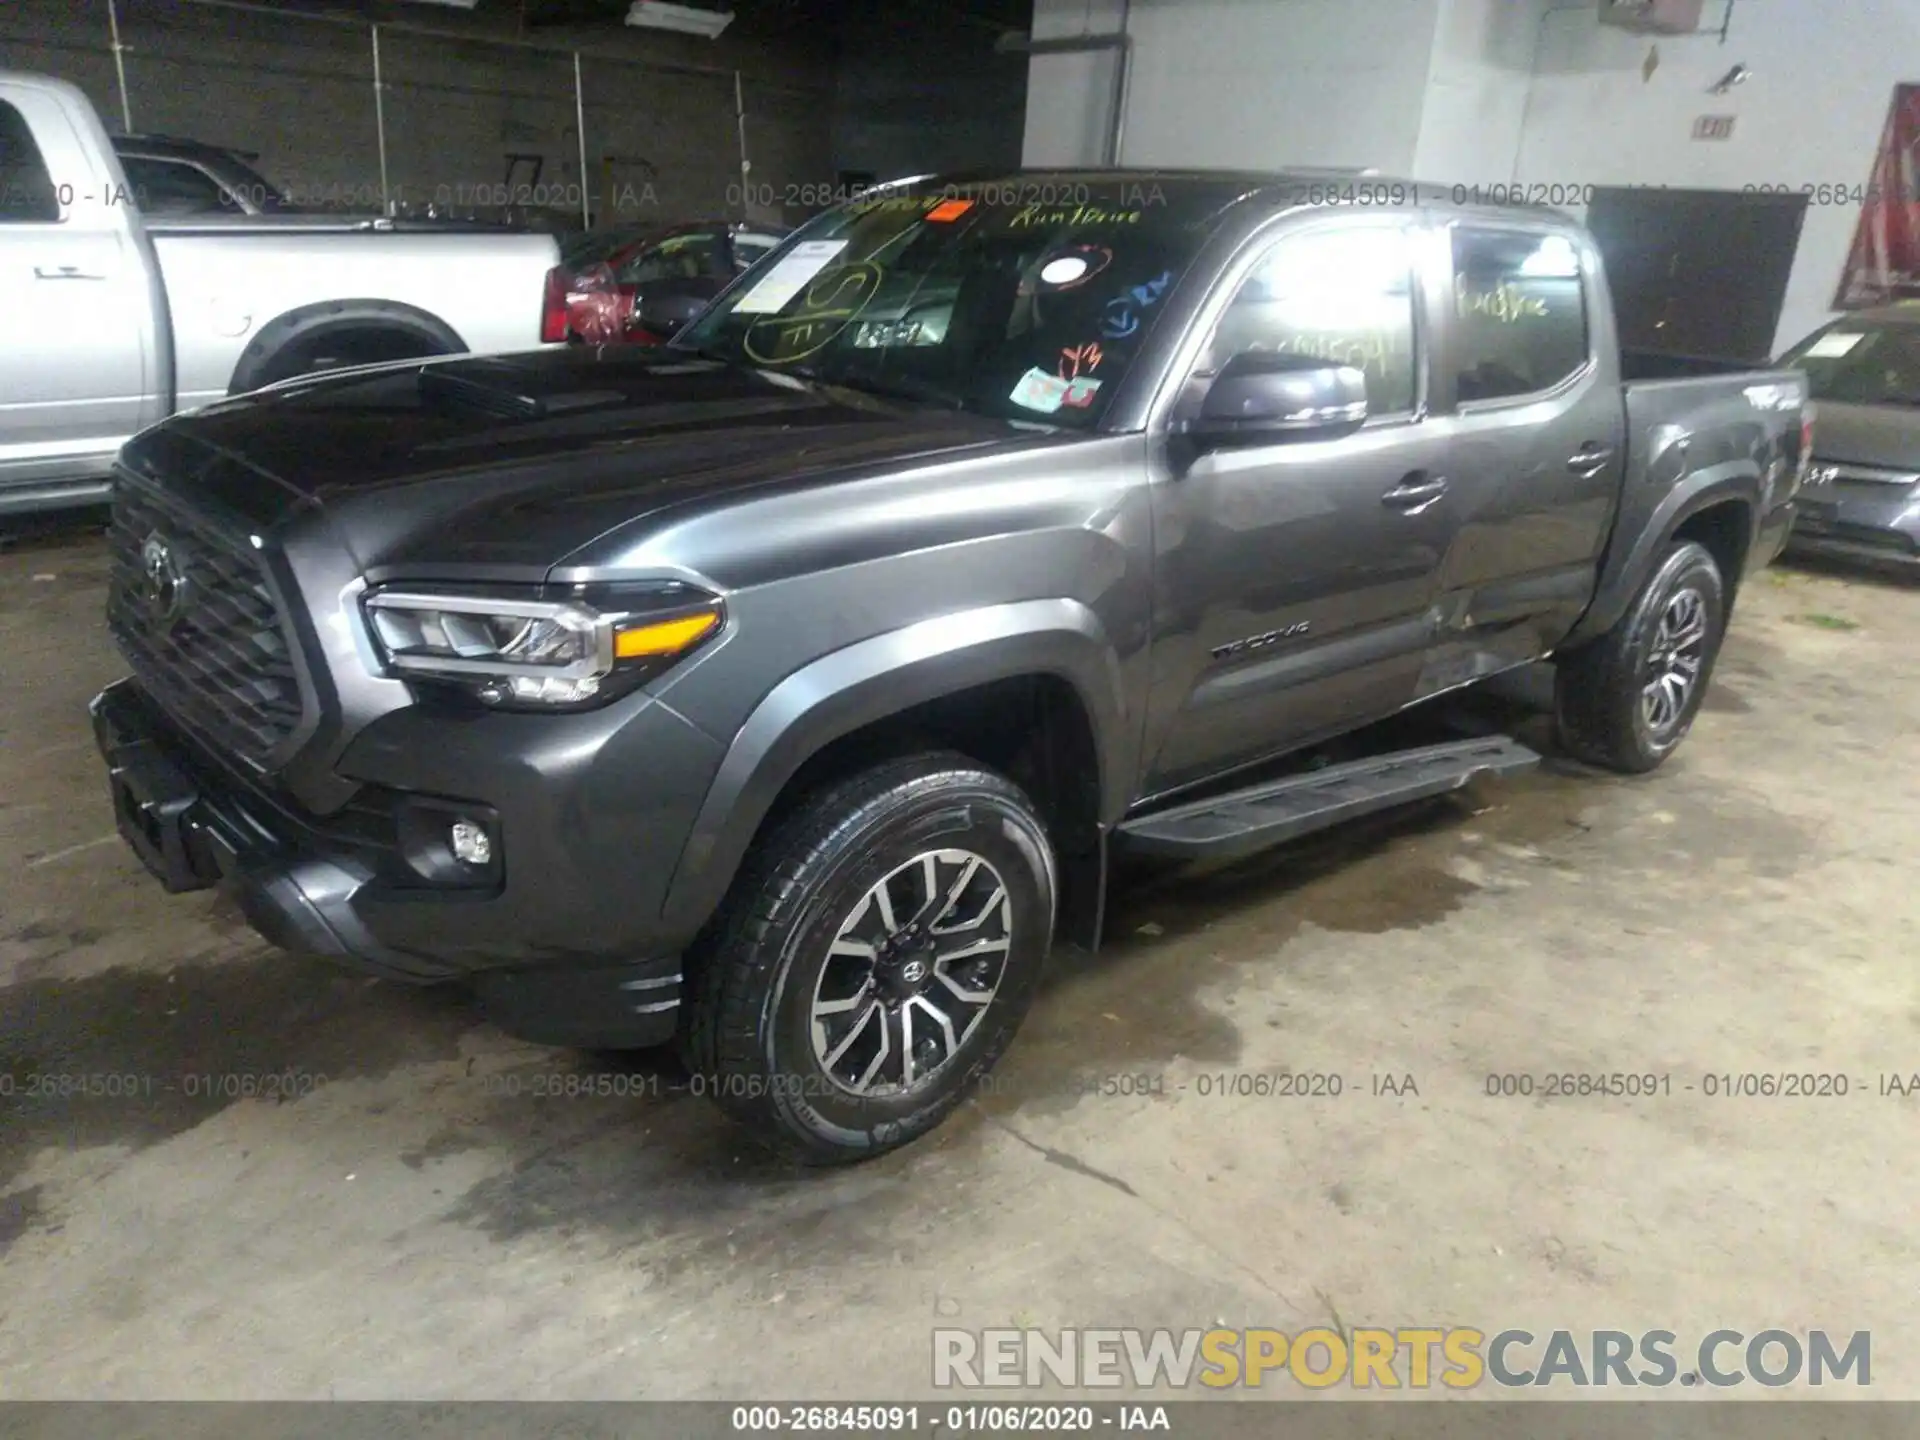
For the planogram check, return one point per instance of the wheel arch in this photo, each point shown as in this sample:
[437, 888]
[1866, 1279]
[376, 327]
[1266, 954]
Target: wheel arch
[305, 323]
[930, 683]
[1717, 505]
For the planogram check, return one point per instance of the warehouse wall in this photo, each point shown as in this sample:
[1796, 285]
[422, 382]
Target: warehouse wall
[1259, 83]
[662, 139]
[923, 91]
[1811, 115]
[1478, 82]
[1494, 92]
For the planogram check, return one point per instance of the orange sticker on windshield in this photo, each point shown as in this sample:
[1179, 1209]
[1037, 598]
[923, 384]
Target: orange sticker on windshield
[949, 210]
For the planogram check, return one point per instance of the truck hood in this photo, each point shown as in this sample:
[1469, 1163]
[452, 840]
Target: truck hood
[510, 464]
[1883, 436]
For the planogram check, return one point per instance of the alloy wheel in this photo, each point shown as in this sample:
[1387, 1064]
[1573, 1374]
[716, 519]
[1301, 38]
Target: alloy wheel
[1675, 661]
[911, 973]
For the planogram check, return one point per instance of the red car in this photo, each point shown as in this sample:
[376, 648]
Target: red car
[672, 271]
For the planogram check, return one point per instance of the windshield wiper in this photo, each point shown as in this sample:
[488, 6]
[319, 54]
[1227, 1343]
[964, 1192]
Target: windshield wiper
[895, 387]
[905, 387]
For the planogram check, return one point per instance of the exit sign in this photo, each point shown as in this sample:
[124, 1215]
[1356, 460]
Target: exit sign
[1713, 127]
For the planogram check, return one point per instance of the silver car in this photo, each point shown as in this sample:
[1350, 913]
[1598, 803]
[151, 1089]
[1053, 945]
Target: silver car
[1861, 499]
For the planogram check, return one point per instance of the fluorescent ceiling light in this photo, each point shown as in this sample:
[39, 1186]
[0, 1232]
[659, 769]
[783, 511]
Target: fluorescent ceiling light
[450, 4]
[688, 19]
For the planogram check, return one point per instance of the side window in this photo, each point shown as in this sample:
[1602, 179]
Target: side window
[1342, 295]
[679, 257]
[27, 193]
[1520, 312]
[170, 187]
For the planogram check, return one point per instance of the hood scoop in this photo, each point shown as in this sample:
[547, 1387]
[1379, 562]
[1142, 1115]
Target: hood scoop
[504, 391]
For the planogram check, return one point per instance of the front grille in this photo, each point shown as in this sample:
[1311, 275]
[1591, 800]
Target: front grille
[218, 658]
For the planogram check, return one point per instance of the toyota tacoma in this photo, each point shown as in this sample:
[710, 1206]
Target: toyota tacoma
[786, 690]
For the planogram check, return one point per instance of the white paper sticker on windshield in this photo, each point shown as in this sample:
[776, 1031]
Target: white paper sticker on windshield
[789, 277]
[1040, 391]
[1830, 347]
[1065, 270]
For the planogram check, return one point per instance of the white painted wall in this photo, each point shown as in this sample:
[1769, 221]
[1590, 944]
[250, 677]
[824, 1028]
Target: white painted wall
[1823, 78]
[1497, 91]
[1477, 87]
[1257, 83]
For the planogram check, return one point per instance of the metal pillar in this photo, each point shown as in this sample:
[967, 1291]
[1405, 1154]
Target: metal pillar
[120, 67]
[380, 122]
[1120, 41]
[740, 123]
[580, 131]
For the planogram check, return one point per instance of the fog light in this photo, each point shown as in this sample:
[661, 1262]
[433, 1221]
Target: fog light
[470, 843]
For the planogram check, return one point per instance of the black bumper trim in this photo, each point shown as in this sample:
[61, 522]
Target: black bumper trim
[194, 832]
[195, 827]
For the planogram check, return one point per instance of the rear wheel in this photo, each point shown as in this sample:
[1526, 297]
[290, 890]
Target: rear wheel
[1629, 698]
[874, 959]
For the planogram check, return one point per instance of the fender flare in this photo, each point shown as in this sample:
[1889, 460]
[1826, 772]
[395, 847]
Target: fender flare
[305, 321]
[1735, 480]
[880, 677]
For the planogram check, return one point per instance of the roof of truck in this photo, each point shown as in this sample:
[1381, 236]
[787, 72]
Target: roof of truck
[174, 145]
[1287, 186]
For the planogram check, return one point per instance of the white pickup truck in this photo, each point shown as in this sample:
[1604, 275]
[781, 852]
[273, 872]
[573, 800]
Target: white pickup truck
[110, 321]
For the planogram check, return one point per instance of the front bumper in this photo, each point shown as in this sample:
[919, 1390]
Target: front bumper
[320, 886]
[1875, 523]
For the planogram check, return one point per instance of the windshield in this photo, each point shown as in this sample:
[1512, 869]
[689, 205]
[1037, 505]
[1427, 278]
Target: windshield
[1851, 363]
[971, 297]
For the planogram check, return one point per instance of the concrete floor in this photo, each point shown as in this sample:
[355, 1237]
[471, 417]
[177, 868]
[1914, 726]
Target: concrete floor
[408, 1229]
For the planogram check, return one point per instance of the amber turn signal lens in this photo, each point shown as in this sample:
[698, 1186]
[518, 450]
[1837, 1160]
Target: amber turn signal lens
[664, 637]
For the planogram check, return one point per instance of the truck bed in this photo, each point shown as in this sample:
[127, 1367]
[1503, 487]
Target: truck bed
[1656, 365]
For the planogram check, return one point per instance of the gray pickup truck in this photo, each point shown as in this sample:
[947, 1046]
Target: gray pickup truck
[111, 320]
[787, 689]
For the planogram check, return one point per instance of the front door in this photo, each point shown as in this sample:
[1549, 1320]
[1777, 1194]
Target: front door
[1294, 580]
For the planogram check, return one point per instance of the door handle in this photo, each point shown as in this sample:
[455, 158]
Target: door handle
[1415, 493]
[1589, 460]
[64, 272]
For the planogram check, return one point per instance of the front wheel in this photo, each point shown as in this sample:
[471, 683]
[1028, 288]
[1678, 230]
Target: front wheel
[874, 958]
[1627, 700]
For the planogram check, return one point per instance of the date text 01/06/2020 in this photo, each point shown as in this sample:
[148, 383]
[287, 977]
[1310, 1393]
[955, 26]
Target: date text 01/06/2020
[1578, 193]
[1712, 1085]
[950, 1420]
[1240, 1084]
[42, 1085]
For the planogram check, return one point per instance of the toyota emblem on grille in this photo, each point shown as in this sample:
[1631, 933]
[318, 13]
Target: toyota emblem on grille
[163, 585]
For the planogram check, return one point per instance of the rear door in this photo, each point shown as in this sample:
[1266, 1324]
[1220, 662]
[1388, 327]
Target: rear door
[1526, 387]
[77, 340]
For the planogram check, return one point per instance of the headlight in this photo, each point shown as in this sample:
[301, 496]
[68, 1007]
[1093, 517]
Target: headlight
[515, 652]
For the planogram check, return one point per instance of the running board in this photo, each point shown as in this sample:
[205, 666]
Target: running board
[1245, 822]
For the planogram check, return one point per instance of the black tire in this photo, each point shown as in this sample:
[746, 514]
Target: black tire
[749, 1035]
[1600, 691]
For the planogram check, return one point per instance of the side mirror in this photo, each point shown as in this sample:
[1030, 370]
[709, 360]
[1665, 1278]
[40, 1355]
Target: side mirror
[666, 307]
[1260, 397]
